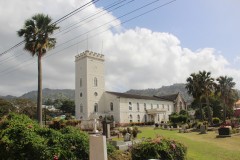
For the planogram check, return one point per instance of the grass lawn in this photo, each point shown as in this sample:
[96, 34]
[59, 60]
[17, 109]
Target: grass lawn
[200, 146]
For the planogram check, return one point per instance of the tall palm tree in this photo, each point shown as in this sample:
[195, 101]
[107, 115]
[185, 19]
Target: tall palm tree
[225, 89]
[207, 86]
[36, 32]
[194, 89]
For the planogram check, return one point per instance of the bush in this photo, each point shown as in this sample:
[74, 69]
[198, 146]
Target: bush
[159, 148]
[216, 120]
[22, 138]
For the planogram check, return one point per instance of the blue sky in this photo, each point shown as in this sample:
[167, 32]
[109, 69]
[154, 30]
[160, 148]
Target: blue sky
[197, 23]
[160, 48]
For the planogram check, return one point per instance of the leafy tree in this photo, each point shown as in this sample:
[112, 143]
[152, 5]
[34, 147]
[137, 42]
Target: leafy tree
[225, 90]
[193, 87]
[22, 138]
[207, 87]
[36, 33]
[68, 106]
[5, 107]
[200, 86]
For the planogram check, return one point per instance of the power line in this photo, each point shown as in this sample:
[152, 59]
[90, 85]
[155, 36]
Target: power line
[56, 22]
[126, 21]
[108, 7]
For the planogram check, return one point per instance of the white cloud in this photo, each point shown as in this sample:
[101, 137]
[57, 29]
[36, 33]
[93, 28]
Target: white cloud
[135, 58]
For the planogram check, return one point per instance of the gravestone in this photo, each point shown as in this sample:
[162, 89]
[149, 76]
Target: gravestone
[106, 127]
[203, 129]
[97, 147]
[127, 137]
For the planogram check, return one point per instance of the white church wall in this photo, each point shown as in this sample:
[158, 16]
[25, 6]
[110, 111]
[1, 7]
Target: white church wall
[109, 98]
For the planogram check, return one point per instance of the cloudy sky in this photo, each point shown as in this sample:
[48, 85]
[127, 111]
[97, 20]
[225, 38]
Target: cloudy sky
[147, 44]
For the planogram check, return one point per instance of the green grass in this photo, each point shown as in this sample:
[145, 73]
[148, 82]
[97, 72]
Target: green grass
[200, 146]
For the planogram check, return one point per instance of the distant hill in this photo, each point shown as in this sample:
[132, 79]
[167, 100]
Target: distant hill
[70, 93]
[165, 90]
[51, 94]
[8, 97]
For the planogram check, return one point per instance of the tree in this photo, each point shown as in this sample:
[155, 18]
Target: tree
[207, 87]
[25, 106]
[36, 32]
[225, 89]
[68, 106]
[193, 88]
[200, 86]
[5, 107]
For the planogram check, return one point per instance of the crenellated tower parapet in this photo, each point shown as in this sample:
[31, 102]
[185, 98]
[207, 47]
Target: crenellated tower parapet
[89, 54]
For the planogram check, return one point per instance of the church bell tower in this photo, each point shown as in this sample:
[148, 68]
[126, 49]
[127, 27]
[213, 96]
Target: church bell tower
[89, 84]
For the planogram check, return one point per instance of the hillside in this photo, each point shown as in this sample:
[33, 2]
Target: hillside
[165, 90]
[51, 94]
[70, 93]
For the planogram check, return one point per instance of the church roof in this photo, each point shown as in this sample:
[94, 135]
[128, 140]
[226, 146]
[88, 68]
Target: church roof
[171, 97]
[135, 96]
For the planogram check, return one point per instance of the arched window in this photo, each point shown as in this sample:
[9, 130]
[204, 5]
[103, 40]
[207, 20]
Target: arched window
[112, 117]
[81, 94]
[145, 106]
[145, 118]
[130, 117]
[81, 108]
[130, 106]
[111, 106]
[95, 107]
[95, 82]
[138, 106]
[80, 82]
[138, 117]
[158, 118]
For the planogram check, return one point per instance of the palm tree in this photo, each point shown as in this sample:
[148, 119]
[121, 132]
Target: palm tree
[36, 33]
[194, 89]
[207, 86]
[200, 86]
[225, 89]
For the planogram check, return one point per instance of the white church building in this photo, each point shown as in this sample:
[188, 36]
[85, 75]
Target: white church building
[91, 97]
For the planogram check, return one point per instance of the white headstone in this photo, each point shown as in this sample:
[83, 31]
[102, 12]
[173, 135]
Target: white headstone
[127, 137]
[97, 148]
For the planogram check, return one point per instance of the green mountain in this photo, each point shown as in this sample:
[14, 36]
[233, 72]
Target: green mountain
[165, 90]
[51, 94]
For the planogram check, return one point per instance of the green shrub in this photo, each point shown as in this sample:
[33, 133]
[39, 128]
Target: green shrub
[216, 120]
[159, 148]
[22, 138]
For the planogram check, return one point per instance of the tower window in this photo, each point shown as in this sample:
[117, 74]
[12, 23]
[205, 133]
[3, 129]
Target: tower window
[95, 107]
[80, 82]
[111, 106]
[95, 82]
[81, 108]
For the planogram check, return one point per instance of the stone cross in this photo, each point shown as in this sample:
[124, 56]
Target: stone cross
[95, 122]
